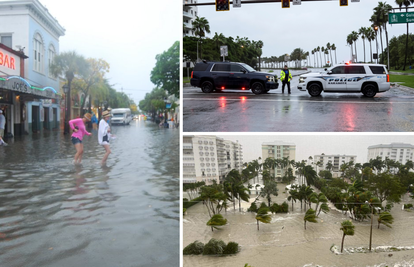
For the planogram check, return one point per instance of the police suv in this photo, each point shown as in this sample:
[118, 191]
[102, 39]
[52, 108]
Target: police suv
[368, 79]
[218, 76]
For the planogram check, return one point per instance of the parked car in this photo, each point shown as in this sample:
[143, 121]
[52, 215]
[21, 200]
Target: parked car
[368, 79]
[210, 76]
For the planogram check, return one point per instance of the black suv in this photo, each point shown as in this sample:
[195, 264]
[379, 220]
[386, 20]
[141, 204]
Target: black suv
[211, 76]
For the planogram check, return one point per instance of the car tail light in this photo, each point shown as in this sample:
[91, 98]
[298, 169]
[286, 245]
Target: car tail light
[388, 78]
[243, 88]
[222, 88]
[192, 74]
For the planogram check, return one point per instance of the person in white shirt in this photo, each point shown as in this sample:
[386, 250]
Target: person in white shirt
[2, 126]
[104, 134]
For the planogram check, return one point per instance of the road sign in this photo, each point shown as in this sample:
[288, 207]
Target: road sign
[236, 3]
[224, 51]
[401, 17]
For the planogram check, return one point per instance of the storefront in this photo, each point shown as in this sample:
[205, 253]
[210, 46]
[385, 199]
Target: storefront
[28, 109]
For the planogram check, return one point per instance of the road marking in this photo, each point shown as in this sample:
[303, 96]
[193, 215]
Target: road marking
[293, 100]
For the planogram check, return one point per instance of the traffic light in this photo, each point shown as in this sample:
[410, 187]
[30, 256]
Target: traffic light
[285, 3]
[343, 2]
[222, 5]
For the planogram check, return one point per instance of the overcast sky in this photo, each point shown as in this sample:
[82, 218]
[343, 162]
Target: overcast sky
[305, 26]
[126, 34]
[311, 144]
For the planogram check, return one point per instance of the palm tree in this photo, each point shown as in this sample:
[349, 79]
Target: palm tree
[263, 216]
[310, 217]
[68, 65]
[349, 40]
[354, 39]
[329, 47]
[215, 221]
[363, 31]
[219, 39]
[324, 59]
[200, 28]
[333, 47]
[406, 3]
[313, 53]
[319, 49]
[370, 37]
[386, 219]
[348, 229]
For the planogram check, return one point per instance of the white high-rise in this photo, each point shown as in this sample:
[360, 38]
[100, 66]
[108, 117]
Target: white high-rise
[278, 150]
[207, 158]
[189, 15]
[400, 152]
[321, 161]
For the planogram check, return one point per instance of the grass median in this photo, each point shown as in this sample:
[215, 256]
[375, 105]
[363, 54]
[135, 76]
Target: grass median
[405, 80]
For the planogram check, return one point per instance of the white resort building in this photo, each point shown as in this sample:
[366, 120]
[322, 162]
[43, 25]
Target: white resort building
[396, 151]
[321, 161]
[207, 158]
[278, 150]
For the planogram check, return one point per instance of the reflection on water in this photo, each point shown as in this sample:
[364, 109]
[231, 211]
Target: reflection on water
[285, 242]
[53, 213]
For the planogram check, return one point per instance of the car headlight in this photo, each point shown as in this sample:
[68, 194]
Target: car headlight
[270, 78]
[302, 79]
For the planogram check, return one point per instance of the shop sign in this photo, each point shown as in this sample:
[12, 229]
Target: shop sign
[19, 84]
[9, 63]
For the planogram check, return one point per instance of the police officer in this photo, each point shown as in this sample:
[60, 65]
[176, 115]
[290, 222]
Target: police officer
[285, 77]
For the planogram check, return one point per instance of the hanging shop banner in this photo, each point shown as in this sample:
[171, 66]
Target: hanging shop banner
[18, 84]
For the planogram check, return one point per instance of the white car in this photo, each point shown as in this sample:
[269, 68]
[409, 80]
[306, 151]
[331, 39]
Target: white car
[368, 79]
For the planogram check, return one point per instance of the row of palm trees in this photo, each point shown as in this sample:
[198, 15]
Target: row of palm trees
[379, 20]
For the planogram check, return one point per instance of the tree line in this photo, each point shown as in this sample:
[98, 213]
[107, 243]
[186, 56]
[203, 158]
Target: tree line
[361, 190]
[87, 76]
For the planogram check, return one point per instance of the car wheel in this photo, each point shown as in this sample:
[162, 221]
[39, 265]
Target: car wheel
[314, 89]
[207, 87]
[258, 88]
[369, 90]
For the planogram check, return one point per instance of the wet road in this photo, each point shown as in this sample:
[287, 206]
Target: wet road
[53, 213]
[285, 242]
[237, 111]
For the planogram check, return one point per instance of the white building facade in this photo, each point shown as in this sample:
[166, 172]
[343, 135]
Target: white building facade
[400, 152]
[34, 98]
[321, 161]
[278, 150]
[189, 15]
[207, 158]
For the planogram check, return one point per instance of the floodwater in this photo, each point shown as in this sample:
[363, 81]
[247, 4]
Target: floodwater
[53, 213]
[285, 242]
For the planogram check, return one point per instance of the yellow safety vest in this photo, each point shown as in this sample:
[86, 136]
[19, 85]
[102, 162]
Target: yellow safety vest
[282, 76]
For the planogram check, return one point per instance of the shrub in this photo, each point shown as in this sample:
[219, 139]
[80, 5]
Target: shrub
[284, 208]
[274, 208]
[408, 206]
[214, 247]
[253, 207]
[195, 248]
[231, 248]
[262, 205]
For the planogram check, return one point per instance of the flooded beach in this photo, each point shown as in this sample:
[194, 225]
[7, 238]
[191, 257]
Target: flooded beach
[54, 213]
[285, 242]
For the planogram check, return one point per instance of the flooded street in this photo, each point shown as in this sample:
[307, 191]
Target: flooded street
[285, 242]
[53, 213]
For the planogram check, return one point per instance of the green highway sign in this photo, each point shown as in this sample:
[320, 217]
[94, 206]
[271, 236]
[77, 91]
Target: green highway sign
[401, 17]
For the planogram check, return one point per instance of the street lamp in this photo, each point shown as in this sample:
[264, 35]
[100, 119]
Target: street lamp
[66, 89]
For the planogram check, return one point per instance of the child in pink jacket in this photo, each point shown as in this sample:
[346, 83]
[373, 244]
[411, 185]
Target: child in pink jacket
[79, 130]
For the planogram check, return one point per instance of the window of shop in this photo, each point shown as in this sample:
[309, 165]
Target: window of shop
[52, 54]
[6, 40]
[38, 53]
